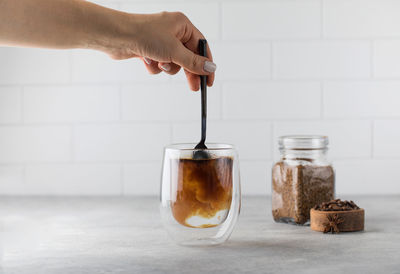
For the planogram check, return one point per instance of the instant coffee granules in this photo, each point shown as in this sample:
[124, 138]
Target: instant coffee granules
[203, 190]
[298, 188]
[302, 178]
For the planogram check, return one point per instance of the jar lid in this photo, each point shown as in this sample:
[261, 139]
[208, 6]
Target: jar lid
[303, 142]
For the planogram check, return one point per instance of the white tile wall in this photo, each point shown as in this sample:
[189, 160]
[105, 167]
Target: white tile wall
[78, 123]
[348, 138]
[322, 60]
[37, 66]
[271, 19]
[361, 99]
[361, 18]
[20, 144]
[232, 65]
[142, 178]
[166, 102]
[120, 142]
[386, 59]
[74, 179]
[269, 100]
[364, 175]
[12, 180]
[10, 105]
[252, 139]
[71, 104]
[387, 138]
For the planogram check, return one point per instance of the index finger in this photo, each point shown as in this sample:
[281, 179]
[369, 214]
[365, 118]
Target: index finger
[192, 44]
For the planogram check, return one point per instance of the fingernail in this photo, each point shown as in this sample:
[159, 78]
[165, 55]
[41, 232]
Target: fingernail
[209, 66]
[147, 60]
[166, 67]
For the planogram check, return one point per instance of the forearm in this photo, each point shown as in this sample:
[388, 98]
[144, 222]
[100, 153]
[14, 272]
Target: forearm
[61, 24]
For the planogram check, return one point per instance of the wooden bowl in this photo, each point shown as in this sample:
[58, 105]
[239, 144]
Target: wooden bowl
[346, 221]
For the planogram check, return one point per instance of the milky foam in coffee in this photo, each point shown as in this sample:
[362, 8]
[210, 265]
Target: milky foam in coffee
[201, 191]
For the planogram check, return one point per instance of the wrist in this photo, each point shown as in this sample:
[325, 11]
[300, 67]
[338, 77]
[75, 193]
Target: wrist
[112, 32]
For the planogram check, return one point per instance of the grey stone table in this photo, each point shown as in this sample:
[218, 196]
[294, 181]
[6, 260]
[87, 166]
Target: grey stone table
[124, 235]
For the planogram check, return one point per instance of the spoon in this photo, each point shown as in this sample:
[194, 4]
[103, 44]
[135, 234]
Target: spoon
[200, 153]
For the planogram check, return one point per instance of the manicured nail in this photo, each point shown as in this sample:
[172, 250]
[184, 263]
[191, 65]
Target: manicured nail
[147, 60]
[166, 67]
[210, 66]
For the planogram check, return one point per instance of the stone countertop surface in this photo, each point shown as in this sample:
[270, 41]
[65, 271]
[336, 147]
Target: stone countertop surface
[124, 235]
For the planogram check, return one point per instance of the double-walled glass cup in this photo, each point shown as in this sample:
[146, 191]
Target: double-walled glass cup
[200, 196]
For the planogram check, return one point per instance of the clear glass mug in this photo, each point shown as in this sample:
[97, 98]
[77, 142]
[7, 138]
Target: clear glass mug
[200, 198]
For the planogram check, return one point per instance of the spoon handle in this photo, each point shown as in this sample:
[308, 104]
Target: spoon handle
[203, 86]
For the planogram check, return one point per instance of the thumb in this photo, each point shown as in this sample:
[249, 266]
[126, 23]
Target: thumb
[192, 62]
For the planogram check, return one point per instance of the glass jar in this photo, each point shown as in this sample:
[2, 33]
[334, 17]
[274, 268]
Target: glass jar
[200, 198]
[302, 178]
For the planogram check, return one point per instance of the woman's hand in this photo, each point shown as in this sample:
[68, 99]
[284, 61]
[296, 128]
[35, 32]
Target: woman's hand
[166, 42]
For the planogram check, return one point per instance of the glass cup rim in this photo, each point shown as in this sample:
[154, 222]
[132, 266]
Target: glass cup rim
[190, 147]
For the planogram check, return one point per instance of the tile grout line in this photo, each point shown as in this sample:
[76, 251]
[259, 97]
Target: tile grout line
[120, 102]
[322, 30]
[271, 63]
[222, 103]
[322, 108]
[272, 126]
[22, 111]
[372, 47]
[220, 21]
[372, 138]
[72, 145]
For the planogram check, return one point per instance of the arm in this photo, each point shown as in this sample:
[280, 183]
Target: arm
[163, 39]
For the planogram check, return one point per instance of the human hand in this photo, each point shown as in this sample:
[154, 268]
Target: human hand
[166, 42]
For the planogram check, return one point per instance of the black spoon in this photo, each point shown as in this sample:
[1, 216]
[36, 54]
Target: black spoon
[201, 147]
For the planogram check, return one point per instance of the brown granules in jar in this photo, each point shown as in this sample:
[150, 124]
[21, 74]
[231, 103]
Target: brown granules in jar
[202, 188]
[298, 188]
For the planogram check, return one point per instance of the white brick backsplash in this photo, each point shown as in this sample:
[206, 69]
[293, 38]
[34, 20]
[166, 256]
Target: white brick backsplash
[271, 100]
[348, 139]
[96, 67]
[32, 144]
[12, 180]
[254, 64]
[120, 142]
[361, 99]
[321, 60]
[167, 102]
[142, 178]
[10, 105]
[22, 65]
[74, 179]
[387, 59]
[204, 15]
[361, 18]
[367, 177]
[251, 139]
[387, 138]
[255, 177]
[71, 104]
[76, 122]
[271, 19]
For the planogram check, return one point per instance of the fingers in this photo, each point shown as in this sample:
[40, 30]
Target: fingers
[193, 80]
[192, 62]
[151, 65]
[169, 68]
